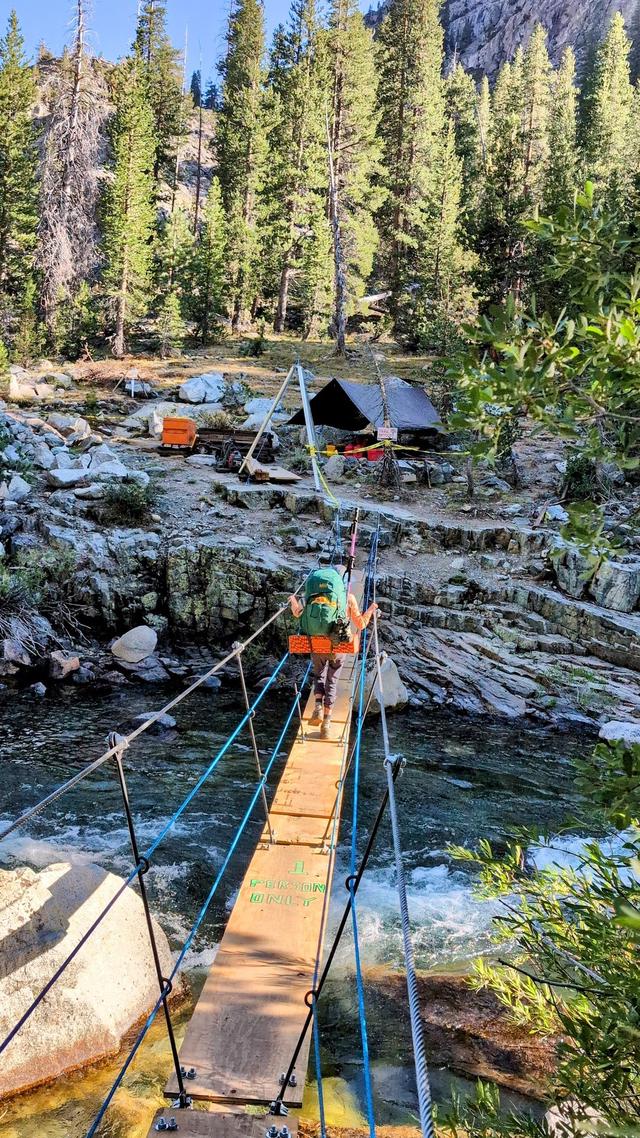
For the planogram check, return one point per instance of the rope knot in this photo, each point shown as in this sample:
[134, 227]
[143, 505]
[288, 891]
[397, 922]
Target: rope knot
[116, 742]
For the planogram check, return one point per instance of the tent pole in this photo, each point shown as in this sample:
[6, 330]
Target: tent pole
[311, 431]
[269, 416]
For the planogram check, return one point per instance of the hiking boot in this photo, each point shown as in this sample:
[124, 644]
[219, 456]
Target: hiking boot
[326, 723]
[316, 718]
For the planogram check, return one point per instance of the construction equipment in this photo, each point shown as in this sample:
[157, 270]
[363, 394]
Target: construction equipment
[181, 435]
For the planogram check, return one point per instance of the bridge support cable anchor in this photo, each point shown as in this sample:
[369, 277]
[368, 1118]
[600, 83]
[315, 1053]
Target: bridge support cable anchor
[352, 885]
[391, 765]
[254, 743]
[119, 743]
[296, 689]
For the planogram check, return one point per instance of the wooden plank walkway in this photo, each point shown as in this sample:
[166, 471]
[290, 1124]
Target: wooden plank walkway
[249, 1016]
[198, 1124]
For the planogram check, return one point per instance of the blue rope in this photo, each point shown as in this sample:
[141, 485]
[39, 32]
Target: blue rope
[232, 737]
[145, 857]
[199, 919]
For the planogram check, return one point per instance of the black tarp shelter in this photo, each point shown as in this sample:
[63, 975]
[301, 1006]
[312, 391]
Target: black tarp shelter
[354, 406]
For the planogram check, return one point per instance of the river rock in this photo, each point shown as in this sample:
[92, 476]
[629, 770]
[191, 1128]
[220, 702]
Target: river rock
[160, 726]
[109, 986]
[616, 585]
[62, 665]
[469, 1032]
[21, 391]
[18, 488]
[334, 467]
[258, 406]
[207, 388]
[70, 425]
[617, 731]
[66, 478]
[395, 694]
[135, 645]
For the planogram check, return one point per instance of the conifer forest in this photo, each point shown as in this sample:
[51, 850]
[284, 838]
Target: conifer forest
[139, 205]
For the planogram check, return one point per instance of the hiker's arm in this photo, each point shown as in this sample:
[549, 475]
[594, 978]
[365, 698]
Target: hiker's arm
[296, 605]
[360, 619]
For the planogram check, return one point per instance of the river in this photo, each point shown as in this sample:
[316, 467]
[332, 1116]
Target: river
[464, 779]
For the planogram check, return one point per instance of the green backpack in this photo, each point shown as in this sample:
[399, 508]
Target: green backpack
[326, 616]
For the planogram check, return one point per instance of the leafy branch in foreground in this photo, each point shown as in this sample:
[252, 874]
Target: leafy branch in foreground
[570, 937]
[575, 372]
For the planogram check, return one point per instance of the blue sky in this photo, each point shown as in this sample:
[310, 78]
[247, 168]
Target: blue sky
[112, 23]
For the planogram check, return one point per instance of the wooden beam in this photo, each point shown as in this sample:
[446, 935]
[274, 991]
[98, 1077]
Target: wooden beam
[221, 1124]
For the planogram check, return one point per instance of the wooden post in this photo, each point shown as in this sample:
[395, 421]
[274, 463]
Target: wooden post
[268, 418]
[311, 431]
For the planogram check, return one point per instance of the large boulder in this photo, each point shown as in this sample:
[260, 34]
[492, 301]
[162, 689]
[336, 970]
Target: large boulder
[73, 427]
[109, 986]
[618, 731]
[207, 388]
[135, 645]
[616, 585]
[395, 694]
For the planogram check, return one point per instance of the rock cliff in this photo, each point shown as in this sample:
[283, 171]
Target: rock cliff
[483, 33]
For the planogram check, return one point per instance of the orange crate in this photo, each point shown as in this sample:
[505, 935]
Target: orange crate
[303, 646]
[178, 431]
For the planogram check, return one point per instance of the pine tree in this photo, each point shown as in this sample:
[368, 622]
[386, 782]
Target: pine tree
[18, 164]
[129, 215]
[469, 111]
[536, 105]
[175, 253]
[412, 126]
[163, 78]
[296, 178]
[211, 97]
[562, 166]
[241, 150]
[208, 287]
[68, 235]
[354, 154]
[444, 298]
[500, 242]
[170, 325]
[196, 88]
[607, 125]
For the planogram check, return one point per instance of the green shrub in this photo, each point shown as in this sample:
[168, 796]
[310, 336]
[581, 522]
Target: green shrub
[127, 502]
[255, 347]
[216, 420]
[582, 481]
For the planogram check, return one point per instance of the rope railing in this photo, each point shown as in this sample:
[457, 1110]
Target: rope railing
[199, 919]
[144, 860]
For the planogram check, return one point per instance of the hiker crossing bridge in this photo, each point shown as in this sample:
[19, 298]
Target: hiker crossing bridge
[248, 1041]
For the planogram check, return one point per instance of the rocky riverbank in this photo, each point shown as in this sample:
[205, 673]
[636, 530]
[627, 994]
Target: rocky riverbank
[473, 613]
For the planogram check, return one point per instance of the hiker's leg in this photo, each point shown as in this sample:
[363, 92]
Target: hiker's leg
[319, 666]
[318, 670]
[334, 664]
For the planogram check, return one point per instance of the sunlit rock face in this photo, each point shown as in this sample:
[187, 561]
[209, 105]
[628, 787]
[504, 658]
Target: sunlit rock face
[483, 33]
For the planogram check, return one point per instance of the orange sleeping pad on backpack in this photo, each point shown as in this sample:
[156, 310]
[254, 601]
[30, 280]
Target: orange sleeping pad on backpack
[302, 645]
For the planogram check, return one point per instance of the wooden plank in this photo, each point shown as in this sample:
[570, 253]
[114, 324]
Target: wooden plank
[252, 1008]
[221, 1124]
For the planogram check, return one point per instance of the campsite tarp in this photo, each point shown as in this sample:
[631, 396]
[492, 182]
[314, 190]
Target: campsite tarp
[353, 406]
